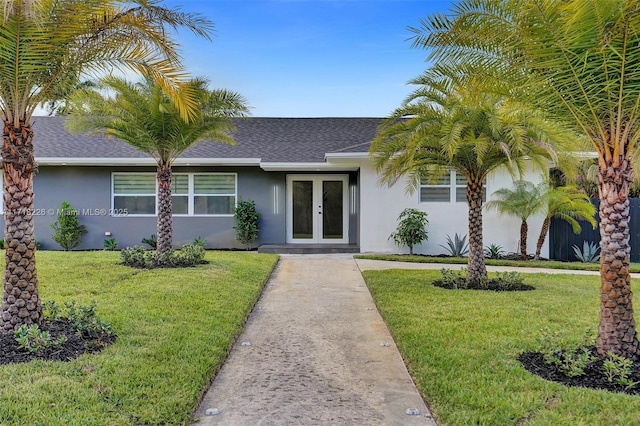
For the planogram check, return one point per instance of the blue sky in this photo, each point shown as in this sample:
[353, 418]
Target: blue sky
[309, 58]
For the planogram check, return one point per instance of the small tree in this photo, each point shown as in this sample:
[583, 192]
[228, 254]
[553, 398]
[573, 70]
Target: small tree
[67, 229]
[411, 230]
[246, 217]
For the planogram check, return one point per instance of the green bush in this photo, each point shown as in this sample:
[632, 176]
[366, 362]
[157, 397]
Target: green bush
[110, 244]
[247, 228]
[457, 247]
[411, 230]
[138, 257]
[31, 339]
[187, 255]
[67, 229]
[151, 241]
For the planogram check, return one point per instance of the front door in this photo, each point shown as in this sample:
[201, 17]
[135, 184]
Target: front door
[317, 209]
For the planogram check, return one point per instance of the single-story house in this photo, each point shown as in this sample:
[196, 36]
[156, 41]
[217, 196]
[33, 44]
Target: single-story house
[311, 179]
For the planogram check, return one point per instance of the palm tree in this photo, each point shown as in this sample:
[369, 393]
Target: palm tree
[143, 116]
[580, 60]
[523, 201]
[45, 44]
[566, 203]
[443, 126]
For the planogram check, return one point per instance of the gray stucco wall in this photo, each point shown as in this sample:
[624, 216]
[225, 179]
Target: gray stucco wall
[89, 188]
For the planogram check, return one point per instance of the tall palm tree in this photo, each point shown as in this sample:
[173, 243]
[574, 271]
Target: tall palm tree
[443, 126]
[566, 203]
[580, 60]
[48, 43]
[143, 116]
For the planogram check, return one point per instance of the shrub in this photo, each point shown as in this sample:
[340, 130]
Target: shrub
[199, 242]
[457, 247]
[411, 230]
[152, 241]
[187, 255]
[110, 244]
[138, 257]
[494, 251]
[618, 370]
[570, 361]
[83, 318]
[246, 217]
[67, 229]
[32, 339]
[589, 252]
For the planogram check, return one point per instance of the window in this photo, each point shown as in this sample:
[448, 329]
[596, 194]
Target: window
[450, 187]
[134, 193]
[214, 194]
[205, 194]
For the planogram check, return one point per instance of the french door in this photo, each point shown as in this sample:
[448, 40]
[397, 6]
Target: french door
[317, 209]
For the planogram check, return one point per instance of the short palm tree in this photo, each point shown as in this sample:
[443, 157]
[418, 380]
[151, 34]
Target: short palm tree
[443, 126]
[579, 60]
[48, 43]
[569, 204]
[143, 116]
[523, 201]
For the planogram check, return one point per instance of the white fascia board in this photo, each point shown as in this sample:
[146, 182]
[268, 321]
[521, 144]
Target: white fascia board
[307, 167]
[334, 157]
[129, 161]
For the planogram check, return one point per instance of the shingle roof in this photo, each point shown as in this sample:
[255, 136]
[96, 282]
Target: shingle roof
[271, 139]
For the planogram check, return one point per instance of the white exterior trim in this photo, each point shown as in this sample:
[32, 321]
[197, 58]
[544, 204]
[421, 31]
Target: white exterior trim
[144, 161]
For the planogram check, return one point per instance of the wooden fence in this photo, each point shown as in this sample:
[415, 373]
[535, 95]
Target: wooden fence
[562, 238]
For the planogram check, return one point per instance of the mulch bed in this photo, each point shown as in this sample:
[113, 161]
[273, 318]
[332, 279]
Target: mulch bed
[594, 377]
[491, 285]
[76, 344]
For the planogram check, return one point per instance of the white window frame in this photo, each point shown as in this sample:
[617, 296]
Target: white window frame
[113, 195]
[452, 186]
[190, 195]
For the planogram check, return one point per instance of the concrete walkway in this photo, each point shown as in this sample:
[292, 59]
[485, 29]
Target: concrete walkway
[314, 351]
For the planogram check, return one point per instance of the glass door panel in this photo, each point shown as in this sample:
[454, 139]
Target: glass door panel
[332, 210]
[303, 214]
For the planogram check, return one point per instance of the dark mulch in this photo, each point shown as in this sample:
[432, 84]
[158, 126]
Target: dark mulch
[594, 377]
[76, 344]
[494, 284]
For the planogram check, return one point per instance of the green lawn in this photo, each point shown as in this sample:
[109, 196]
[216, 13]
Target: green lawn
[552, 264]
[174, 326]
[461, 348]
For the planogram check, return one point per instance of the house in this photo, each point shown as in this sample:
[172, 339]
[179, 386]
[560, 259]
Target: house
[311, 179]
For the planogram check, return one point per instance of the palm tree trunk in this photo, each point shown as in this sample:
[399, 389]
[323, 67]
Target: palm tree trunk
[165, 225]
[543, 235]
[20, 300]
[476, 269]
[616, 332]
[524, 231]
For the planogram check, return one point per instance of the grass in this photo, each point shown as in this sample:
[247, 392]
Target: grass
[461, 348]
[175, 327]
[551, 264]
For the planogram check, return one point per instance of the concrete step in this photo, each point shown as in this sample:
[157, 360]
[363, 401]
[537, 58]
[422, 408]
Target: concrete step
[309, 248]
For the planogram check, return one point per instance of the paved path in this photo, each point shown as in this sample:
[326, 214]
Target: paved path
[314, 352]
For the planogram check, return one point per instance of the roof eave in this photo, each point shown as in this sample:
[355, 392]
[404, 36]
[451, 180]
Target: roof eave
[143, 161]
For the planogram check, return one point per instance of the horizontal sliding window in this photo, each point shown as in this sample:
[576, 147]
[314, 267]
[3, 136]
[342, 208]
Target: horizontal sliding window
[209, 194]
[134, 193]
[180, 194]
[214, 194]
[450, 187]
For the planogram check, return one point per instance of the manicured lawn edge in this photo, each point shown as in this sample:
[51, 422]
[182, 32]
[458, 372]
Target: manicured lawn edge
[461, 348]
[550, 264]
[175, 328]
